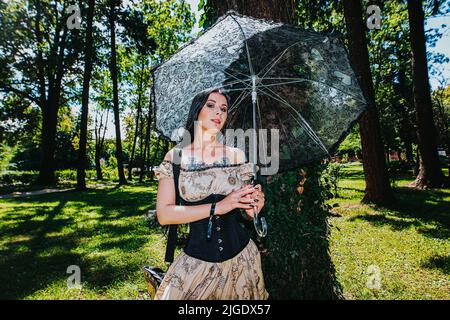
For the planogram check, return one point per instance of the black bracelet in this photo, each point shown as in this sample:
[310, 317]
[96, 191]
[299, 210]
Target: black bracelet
[213, 209]
[211, 213]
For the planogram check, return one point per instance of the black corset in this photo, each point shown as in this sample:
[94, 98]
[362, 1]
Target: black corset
[228, 237]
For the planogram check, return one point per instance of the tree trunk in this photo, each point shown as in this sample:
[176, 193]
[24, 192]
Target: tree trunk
[136, 130]
[82, 154]
[282, 11]
[99, 141]
[148, 132]
[113, 66]
[406, 127]
[299, 281]
[430, 173]
[378, 189]
[447, 152]
[152, 161]
[98, 167]
[417, 162]
[50, 108]
[48, 144]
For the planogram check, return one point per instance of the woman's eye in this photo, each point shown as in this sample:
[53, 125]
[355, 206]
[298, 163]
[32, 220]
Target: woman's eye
[224, 109]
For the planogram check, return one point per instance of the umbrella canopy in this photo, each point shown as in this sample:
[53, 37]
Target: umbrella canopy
[279, 76]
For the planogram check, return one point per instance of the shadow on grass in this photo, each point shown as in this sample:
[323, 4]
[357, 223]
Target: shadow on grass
[43, 235]
[438, 262]
[424, 209]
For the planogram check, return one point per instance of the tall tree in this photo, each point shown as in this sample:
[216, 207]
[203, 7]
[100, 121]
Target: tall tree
[273, 10]
[99, 135]
[39, 53]
[378, 188]
[430, 173]
[141, 46]
[82, 155]
[441, 99]
[296, 261]
[114, 76]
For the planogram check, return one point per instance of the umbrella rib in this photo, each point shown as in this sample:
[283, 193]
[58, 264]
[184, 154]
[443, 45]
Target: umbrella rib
[232, 83]
[281, 54]
[305, 125]
[239, 99]
[308, 127]
[237, 89]
[304, 80]
[260, 126]
[246, 46]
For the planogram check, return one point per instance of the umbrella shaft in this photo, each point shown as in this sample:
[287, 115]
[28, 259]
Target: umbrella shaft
[254, 97]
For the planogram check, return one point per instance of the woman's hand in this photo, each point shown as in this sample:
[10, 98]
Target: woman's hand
[236, 199]
[258, 196]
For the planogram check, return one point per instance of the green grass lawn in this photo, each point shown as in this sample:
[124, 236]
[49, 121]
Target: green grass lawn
[105, 232]
[406, 247]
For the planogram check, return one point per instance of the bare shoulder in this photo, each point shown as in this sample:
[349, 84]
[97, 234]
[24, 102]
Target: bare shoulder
[169, 155]
[173, 155]
[235, 155]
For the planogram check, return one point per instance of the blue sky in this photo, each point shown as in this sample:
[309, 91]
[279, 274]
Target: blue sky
[442, 46]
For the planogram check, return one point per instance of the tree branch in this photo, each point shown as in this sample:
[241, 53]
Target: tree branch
[7, 88]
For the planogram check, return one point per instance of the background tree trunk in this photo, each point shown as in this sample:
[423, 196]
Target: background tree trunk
[82, 154]
[283, 11]
[99, 142]
[299, 281]
[430, 173]
[50, 102]
[136, 130]
[47, 145]
[113, 66]
[378, 189]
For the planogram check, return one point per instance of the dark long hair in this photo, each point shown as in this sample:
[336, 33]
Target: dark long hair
[197, 104]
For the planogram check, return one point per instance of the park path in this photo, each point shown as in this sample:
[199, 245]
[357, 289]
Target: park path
[33, 193]
[23, 194]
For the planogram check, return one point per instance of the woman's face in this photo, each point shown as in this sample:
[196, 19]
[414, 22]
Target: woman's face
[213, 115]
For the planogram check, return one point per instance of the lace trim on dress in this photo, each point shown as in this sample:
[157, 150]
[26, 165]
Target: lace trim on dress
[199, 166]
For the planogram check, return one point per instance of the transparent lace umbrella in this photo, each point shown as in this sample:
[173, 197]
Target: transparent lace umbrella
[298, 82]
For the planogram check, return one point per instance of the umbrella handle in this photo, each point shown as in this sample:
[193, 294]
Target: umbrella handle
[259, 224]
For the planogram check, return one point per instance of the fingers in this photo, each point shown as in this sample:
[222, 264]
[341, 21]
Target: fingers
[258, 195]
[244, 191]
[245, 206]
[246, 199]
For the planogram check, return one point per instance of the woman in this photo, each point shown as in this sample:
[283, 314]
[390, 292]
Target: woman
[212, 185]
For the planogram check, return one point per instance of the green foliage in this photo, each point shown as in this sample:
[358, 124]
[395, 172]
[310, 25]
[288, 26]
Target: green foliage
[170, 24]
[6, 154]
[332, 175]
[112, 162]
[394, 169]
[352, 144]
[17, 177]
[66, 175]
[209, 15]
